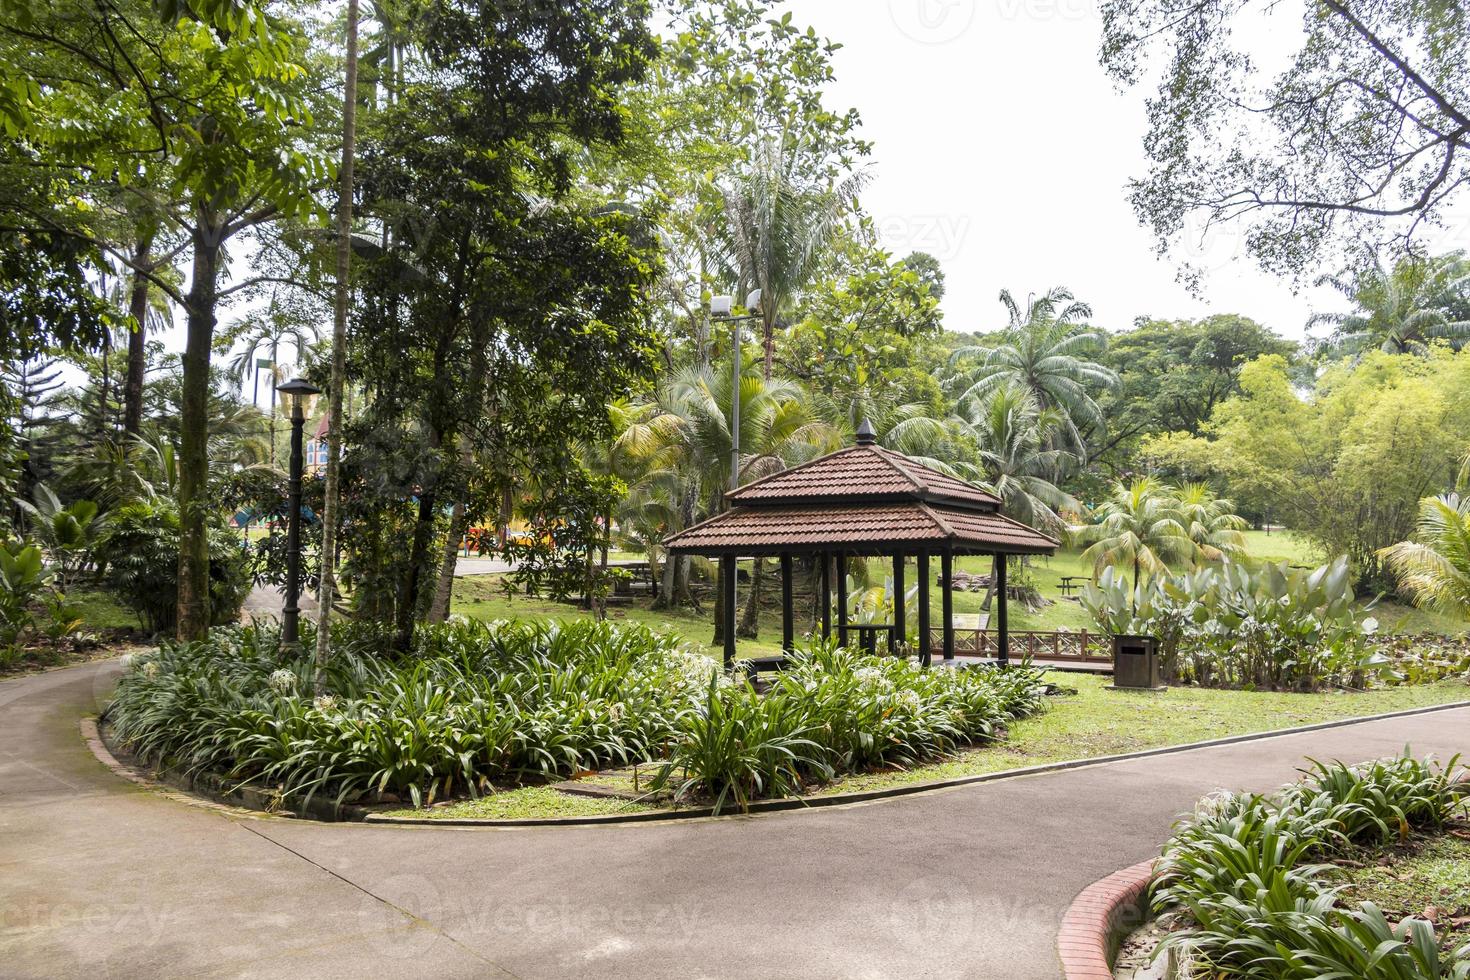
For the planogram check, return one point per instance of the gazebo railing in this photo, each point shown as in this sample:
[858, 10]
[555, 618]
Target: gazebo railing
[1077, 646]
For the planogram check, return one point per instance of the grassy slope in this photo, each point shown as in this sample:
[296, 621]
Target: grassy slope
[1093, 722]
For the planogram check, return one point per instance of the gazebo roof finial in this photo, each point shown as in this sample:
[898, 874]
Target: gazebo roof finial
[866, 434]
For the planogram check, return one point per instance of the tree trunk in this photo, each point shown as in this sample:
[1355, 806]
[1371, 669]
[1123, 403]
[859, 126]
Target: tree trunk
[137, 339]
[750, 625]
[994, 577]
[702, 329]
[193, 462]
[603, 584]
[327, 588]
[719, 603]
[409, 588]
[444, 588]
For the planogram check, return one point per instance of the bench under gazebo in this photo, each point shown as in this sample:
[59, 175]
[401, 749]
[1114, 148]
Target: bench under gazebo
[864, 501]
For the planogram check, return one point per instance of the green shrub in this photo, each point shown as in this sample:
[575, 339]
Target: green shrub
[140, 550]
[23, 576]
[480, 704]
[1272, 627]
[838, 711]
[1238, 869]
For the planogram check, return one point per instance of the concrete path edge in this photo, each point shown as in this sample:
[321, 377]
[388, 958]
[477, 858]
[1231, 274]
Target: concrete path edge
[215, 787]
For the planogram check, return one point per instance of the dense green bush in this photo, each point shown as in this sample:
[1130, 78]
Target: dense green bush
[1238, 871]
[478, 704]
[23, 576]
[139, 549]
[1271, 627]
[837, 711]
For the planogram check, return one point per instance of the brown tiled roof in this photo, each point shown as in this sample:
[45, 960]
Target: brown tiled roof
[862, 473]
[772, 529]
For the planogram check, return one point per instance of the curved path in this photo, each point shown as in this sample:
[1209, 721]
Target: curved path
[103, 878]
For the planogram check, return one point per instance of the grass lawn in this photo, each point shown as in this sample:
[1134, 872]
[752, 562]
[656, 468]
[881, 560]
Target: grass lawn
[1427, 873]
[480, 596]
[1093, 722]
[100, 610]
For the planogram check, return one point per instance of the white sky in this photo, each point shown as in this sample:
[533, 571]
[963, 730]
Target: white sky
[1003, 149]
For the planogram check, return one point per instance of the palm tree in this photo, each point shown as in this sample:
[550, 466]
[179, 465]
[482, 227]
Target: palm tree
[1140, 525]
[1399, 311]
[1012, 432]
[268, 333]
[1435, 567]
[1211, 522]
[691, 434]
[1047, 350]
[778, 225]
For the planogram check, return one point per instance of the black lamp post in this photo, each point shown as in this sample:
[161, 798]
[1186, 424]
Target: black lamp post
[296, 391]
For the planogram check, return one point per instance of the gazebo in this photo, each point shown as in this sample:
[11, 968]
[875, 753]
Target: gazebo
[863, 501]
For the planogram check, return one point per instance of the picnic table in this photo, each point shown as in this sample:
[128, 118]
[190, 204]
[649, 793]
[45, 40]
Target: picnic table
[1072, 583]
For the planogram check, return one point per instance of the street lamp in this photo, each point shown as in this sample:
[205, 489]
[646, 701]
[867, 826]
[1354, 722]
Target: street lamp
[719, 308]
[296, 391]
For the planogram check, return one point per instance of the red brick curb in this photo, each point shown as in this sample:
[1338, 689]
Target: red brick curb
[1104, 908]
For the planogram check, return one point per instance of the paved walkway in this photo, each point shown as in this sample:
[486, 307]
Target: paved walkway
[103, 878]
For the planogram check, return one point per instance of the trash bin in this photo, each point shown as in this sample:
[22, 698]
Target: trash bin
[1136, 662]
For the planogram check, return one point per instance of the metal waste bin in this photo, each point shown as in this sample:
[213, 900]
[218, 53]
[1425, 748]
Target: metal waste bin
[1136, 662]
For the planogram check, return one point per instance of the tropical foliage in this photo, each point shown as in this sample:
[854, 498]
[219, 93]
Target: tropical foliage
[476, 706]
[1270, 628]
[1245, 874]
[1434, 568]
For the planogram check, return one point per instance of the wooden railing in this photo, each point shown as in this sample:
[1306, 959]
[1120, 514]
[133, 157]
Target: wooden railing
[1064, 645]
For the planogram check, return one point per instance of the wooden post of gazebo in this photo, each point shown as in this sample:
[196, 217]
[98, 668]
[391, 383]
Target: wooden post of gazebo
[868, 501]
[900, 630]
[1003, 632]
[839, 572]
[727, 610]
[946, 572]
[826, 561]
[921, 572]
[788, 624]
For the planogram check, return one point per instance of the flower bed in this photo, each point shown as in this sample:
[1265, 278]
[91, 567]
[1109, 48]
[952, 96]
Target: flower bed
[479, 706]
[1242, 885]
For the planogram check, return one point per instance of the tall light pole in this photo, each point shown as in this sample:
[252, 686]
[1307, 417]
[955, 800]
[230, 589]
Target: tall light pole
[296, 391]
[720, 307]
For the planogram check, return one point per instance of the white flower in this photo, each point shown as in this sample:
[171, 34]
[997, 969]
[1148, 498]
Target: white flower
[872, 678]
[325, 702]
[909, 699]
[282, 681]
[127, 661]
[615, 712]
[150, 669]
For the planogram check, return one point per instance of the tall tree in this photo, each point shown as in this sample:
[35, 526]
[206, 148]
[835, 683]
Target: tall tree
[1139, 526]
[496, 272]
[777, 225]
[218, 96]
[1363, 138]
[1047, 350]
[1434, 567]
[1399, 310]
[327, 587]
